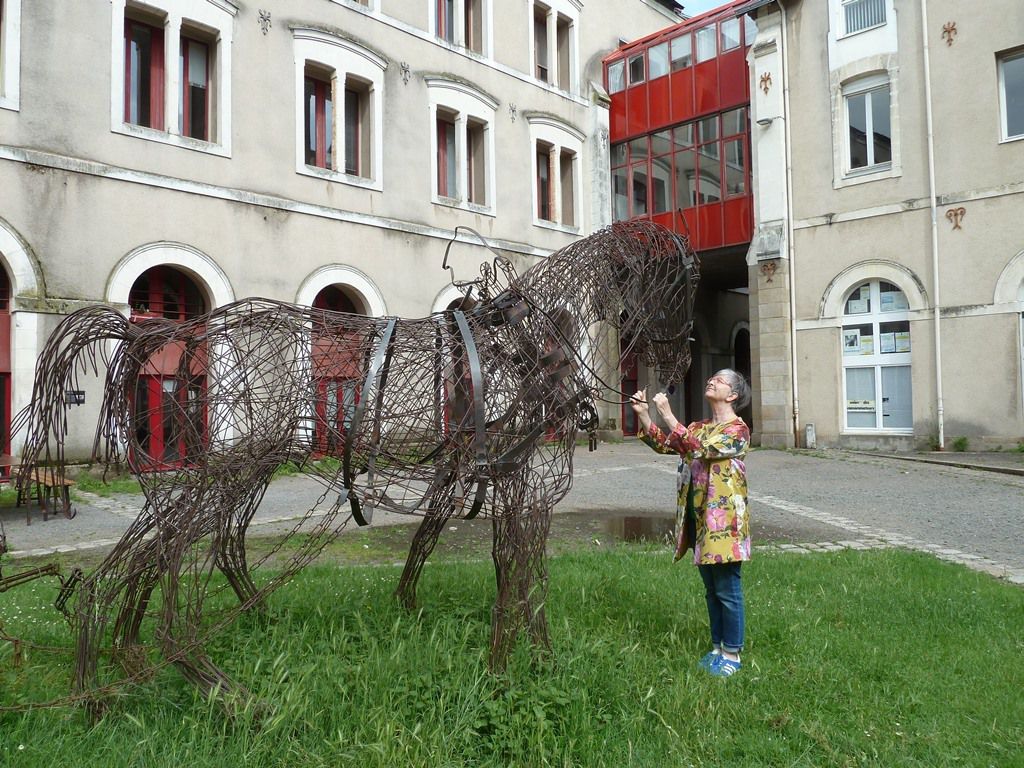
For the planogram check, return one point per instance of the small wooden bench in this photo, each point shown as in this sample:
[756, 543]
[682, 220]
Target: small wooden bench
[47, 486]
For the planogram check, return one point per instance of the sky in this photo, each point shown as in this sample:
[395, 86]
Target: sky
[695, 7]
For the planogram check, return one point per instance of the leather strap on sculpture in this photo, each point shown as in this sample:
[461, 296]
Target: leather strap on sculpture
[370, 386]
[479, 414]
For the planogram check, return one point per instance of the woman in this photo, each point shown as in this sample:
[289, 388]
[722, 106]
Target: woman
[711, 508]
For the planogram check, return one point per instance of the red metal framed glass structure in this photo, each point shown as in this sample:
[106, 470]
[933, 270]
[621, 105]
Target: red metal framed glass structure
[680, 129]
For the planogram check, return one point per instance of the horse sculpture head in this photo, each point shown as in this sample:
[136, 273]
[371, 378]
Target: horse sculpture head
[657, 278]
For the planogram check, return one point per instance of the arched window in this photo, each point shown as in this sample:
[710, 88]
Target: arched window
[336, 368]
[877, 358]
[170, 420]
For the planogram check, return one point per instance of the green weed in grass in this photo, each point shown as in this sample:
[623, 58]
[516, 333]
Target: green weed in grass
[881, 658]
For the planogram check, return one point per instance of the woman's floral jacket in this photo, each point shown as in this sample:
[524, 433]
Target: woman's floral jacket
[714, 479]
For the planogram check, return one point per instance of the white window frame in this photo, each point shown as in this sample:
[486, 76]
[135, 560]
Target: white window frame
[214, 16]
[560, 137]
[1004, 127]
[459, 27]
[464, 102]
[844, 4]
[570, 10]
[851, 82]
[10, 65]
[876, 360]
[343, 58]
[864, 87]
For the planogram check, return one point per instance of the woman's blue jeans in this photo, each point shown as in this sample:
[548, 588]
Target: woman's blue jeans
[724, 592]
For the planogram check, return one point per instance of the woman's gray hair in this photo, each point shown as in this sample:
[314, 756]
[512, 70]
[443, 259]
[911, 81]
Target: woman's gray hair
[738, 385]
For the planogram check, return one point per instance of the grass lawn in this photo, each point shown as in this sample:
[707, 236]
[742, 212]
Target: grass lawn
[880, 658]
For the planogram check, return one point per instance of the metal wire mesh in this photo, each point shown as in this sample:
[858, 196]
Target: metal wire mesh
[472, 411]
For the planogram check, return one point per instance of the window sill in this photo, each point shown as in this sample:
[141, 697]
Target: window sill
[328, 174]
[451, 202]
[554, 225]
[1007, 140]
[8, 103]
[848, 35]
[173, 139]
[855, 431]
[864, 175]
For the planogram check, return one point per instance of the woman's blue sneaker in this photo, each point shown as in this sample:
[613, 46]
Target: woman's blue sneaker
[708, 659]
[723, 667]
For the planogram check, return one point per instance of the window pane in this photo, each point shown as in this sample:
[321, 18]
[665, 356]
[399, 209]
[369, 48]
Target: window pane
[708, 129]
[639, 190]
[734, 121]
[730, 34]
[196, 94]
[706, 43]
[682, 53]
[858, 340]
[710, 185]
[891, 298]
[661, 178]
[616, 76]
[860, 397]
[328, 127]
[859, 302]
[749, 29]
[686, 179]
[880, 128]
[862, 14]
[619, 154]
[897, 410]
[310, 121]
[139, 63]
[620, 195]
[351, 132]
[638, 149]
[683, 135]
[894, 338]
[658, 61]
[735, 172]
[856, 109]
[661, 143]
[636, 69]
[1013, 94]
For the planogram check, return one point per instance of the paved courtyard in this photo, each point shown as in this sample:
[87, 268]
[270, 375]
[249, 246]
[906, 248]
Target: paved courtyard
[800, 501]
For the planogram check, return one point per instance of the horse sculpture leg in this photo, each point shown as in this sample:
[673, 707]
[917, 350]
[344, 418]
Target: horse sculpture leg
[520, 537]
[439, 512]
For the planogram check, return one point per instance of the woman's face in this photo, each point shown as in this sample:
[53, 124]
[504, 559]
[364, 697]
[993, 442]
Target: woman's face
[717, 389]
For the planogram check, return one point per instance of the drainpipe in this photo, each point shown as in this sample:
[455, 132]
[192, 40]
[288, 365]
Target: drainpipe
[788, 142]
[932, 197]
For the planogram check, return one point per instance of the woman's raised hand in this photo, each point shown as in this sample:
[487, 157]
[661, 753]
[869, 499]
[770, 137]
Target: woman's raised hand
[639, 401]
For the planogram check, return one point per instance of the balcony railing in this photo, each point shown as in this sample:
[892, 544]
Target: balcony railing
[863, 14]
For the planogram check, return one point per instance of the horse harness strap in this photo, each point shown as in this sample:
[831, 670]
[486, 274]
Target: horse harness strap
[380, 357]
[479, 414]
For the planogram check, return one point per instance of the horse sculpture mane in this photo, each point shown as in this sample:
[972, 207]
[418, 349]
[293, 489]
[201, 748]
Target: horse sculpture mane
[471, 411]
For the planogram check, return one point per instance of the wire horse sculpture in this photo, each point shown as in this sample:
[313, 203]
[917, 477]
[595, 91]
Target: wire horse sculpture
[472, 411]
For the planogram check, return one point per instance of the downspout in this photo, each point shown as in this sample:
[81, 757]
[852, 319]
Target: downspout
[932, 197]
[788, 142]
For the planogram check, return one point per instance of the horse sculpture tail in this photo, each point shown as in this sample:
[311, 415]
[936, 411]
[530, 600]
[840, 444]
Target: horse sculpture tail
[79, 345]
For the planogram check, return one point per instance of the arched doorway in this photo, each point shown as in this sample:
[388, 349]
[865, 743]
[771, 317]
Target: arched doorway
[170, 421]
[336, 373]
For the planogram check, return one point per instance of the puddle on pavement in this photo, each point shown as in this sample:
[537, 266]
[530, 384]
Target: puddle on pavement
[640, 528]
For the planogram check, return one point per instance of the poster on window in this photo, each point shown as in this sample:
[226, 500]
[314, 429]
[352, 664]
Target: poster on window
[851, 341]
[886, 343]
[893, 301]
[859, 301]
[902, 341]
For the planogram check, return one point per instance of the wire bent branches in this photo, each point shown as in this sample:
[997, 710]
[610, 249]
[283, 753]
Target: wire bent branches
[472, 411]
